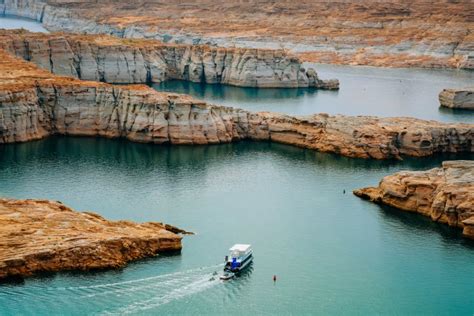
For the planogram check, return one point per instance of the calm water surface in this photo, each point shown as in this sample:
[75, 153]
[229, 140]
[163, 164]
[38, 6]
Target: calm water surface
[10, 22]
[364, 91]
[332, 252]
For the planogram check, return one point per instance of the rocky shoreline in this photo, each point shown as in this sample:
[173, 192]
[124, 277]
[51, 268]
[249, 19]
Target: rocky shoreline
[35, 103]
[385, 33]
[445, 194]
[114, 60]
[61, 84]
[457, 98]
[46, 236]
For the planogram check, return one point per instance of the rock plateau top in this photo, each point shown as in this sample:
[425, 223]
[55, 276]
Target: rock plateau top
[46, 236]
[35, 103]
[393, 33]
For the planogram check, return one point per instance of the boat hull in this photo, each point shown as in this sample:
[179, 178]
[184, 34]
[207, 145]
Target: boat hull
[243, 265]
[227, 276]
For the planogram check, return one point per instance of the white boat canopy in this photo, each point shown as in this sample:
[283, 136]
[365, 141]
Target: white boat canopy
[242, 248]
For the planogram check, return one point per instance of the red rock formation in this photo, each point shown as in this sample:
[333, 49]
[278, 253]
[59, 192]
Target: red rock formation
[109, 59]
[35, 103]
[393, 33]
[445, 194]
[45, 236]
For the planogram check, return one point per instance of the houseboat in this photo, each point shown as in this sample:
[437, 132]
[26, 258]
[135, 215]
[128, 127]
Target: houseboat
[240, 258]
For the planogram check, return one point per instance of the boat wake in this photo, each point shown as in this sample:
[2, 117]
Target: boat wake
[166, 296]
[147, 293]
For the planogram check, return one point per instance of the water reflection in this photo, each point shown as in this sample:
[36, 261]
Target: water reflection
[14, 22]
[336, 254]
[287, 200]
[460, 112]
[422, 225]
[136, 156]
[238, 283]
[364, 91]
[229, 93]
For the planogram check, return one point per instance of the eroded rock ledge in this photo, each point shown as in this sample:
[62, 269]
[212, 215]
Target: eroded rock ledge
[35, 103]
[390, 33]
[113, 60]
[457, 98]
[445, 194]
[46, 236]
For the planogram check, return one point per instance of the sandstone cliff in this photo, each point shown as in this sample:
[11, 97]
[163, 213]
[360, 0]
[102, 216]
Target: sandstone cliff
[46, 236]
[113, 60]
[394, 33]
[445, 194]
[35, 103]
[457, 98]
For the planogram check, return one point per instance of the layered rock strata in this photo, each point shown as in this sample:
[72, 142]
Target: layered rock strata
[46, 236]
[35, 103]
[394, 33]
[445, 194]
[113, 60]
[457, 98]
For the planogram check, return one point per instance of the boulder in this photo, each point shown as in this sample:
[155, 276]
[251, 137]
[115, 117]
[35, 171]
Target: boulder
[457, 98]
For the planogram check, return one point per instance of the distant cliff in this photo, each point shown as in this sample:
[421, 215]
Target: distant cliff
[35, 103]
[113, 60]
[391, 33]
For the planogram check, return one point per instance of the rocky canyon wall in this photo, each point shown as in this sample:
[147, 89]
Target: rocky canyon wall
[393, 33]
[35, 103]
[445, 194]
[113, 60]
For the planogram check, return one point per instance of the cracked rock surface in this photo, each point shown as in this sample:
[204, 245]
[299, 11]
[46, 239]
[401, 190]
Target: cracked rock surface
[457, 98]
[114, 60]
[35, 103]
[47, 236]
[389, 33]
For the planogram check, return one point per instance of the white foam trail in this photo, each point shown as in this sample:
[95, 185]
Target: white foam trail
[146, 293]
[199, 285]
[106, 285]
[162, 284]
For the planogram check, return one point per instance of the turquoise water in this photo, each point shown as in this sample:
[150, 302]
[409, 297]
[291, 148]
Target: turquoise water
[10, 22]
[332, 252]
[364, 91]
